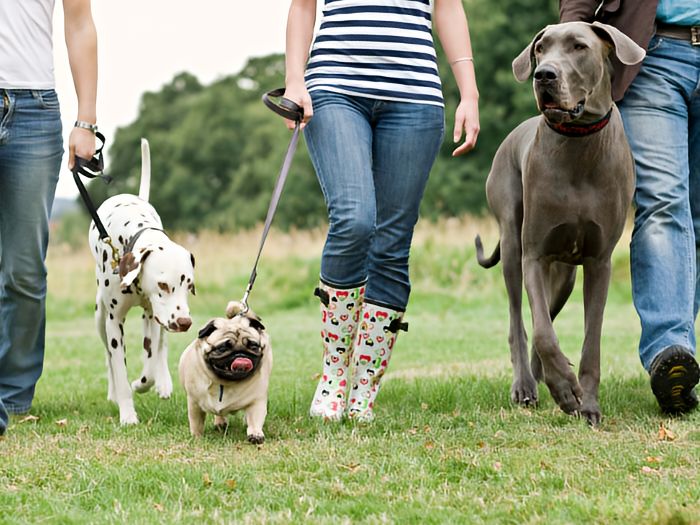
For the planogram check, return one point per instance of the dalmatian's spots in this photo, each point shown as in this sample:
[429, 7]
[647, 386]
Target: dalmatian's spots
[115, 302]
[147, 346]
[111, 316]
[106, 283]
[114, 343]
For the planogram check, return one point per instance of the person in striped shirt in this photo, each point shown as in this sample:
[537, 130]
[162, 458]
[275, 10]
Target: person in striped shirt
[373, 124]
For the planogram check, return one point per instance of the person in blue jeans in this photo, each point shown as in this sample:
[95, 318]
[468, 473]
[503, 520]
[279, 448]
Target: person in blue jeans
[31, 149]
[373, 124]
[660, 107]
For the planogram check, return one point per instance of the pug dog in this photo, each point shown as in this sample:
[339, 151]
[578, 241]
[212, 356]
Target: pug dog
[226, 369]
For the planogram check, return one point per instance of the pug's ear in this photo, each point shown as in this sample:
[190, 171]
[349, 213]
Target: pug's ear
[256, 324]
[233, 308]
[207, 330]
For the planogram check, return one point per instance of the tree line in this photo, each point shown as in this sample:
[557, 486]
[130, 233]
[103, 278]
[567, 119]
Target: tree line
[217, 150]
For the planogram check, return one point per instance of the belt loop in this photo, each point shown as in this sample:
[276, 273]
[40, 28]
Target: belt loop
[695, 35]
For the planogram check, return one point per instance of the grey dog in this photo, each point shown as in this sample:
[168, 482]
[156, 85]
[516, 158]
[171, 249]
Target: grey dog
[560, 187]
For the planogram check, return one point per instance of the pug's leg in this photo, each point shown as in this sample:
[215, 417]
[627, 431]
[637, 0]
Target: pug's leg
[196, 416]
[255, 419]
[220, 423]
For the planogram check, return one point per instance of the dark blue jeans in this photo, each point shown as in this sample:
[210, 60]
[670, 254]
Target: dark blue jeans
[372, 158]
[661, 113]
[31, 148]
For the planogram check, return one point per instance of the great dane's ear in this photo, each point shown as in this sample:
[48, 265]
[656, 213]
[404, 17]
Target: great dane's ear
[626, 50]
[522, 65]
[130, 265]
[207, 330]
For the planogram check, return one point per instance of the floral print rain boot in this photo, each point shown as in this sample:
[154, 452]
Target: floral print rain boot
[340, 313]
[373, 347]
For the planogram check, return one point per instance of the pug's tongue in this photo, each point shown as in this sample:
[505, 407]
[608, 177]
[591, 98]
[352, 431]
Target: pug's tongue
[241, 364]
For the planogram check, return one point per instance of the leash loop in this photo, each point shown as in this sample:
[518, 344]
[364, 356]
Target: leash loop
[93, 168]
[291, 111]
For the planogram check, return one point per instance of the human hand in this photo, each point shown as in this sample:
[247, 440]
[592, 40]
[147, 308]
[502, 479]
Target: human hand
[297, 92]
[81, 143]
[467, 120]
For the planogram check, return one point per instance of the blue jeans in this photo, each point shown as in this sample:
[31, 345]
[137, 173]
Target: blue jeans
[31, 148]
[372, 158]
[661, 113]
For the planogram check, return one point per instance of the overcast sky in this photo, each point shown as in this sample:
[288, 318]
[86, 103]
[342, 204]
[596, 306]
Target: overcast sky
[142, 44]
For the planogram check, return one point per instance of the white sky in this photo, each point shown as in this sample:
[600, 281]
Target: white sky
[142, 44]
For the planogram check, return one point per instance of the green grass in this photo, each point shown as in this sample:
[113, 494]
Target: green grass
[447, 445]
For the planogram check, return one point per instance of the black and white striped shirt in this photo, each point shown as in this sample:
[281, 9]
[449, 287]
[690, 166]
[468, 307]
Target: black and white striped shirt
[379, 49]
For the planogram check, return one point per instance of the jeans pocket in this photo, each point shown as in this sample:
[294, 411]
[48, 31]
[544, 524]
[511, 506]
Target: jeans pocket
[654, 43]
[48, 99]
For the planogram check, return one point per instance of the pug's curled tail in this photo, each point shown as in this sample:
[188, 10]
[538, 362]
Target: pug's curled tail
[490, 261]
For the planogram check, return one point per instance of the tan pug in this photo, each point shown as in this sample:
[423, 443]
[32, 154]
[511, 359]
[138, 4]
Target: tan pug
[227, 368]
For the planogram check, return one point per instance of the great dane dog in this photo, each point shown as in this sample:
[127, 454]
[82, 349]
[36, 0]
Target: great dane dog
[560, 187]
[154, 273]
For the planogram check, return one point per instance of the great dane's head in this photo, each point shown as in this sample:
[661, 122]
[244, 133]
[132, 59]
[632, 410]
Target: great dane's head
[163, 272]
[572, 68]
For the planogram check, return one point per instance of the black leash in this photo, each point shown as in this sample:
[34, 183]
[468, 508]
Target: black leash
[291, 111]
[94, 168]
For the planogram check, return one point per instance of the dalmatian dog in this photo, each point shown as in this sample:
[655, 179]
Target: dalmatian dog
[154, 273]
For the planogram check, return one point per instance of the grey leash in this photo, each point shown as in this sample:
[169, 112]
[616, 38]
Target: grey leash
[292, 111]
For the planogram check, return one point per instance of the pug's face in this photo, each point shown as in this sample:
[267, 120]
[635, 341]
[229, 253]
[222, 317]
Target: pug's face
[233, 348]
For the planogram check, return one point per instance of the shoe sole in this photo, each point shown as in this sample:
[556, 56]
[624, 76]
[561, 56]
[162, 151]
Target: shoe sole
[674, 381]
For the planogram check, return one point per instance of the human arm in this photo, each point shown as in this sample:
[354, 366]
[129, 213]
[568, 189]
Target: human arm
[81, 43]
[578, 10]
[453, 31]
[300, 30]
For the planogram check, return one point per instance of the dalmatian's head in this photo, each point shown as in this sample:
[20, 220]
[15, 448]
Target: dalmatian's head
[164, 274]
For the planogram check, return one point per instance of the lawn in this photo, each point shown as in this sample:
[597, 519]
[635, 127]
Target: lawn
[447, 445]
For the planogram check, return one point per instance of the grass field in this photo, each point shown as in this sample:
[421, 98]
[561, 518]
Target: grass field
[447, 445]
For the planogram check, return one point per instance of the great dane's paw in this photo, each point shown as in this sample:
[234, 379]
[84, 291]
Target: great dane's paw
[536, 367]
[220, 423]
[591, 411]
[128, 417]
[567, 395]
[142, 385]
[256, 439]
[524, 392]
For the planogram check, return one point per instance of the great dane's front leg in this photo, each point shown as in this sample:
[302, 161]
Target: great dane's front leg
[116, 352]
[524, 388]
[558, 376]
[596, 279]
[255, 419]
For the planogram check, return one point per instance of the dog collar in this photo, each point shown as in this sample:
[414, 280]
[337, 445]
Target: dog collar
[580, 130]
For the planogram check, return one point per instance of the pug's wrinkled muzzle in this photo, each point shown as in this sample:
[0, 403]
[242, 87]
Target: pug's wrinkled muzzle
[233, 363]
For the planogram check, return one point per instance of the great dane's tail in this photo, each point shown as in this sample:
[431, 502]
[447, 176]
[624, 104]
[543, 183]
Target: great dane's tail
[145, 186]
[491, 261]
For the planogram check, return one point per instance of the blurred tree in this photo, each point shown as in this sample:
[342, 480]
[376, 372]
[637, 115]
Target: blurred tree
[216, 150]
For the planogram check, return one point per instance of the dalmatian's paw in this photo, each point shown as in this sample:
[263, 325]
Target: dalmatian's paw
[142, 385]
[128, 417]
[164, 388]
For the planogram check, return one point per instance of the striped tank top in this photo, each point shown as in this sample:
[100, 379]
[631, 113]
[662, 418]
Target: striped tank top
[379, 49]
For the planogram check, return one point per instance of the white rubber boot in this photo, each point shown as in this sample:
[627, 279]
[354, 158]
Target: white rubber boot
[340, 313]
[373, 347]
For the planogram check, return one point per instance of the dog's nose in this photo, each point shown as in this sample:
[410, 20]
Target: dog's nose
[546, 74]
[183, 323]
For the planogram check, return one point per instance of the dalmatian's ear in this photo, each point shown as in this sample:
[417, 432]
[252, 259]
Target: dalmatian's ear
[130, 265]
[522, 65]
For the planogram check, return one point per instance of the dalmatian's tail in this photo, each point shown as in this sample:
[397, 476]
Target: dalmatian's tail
[145, 186]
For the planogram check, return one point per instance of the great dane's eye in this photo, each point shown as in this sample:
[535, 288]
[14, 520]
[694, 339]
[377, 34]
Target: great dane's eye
[164, 287]
[578, 46]
[539, 48]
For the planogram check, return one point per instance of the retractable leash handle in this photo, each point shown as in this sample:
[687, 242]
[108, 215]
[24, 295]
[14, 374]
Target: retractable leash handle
[94, 168]
[292, 111]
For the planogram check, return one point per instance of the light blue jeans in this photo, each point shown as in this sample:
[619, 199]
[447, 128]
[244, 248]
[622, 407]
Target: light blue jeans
[372, 159]
[661, 113]
[31, 148]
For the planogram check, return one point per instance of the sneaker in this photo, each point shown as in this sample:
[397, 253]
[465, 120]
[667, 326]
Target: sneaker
[674, 373]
